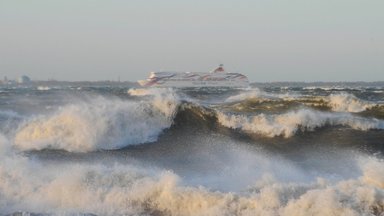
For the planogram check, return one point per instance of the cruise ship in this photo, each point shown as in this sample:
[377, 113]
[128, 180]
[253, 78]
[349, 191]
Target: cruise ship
[216, 78]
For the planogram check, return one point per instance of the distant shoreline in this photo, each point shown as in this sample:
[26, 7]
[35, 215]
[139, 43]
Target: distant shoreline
[253, 84]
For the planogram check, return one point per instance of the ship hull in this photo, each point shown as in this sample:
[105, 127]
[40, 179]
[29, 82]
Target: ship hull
[195, 80]
[195, 84]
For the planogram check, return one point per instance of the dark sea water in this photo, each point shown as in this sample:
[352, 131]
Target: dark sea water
[267, 150]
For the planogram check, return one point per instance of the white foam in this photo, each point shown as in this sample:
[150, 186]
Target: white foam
[78, 187]
[69, 189]
[345, 102]
[150, 91]
[139, 91]
[327, 88]
[99, 123]
[254, 93]
[165, 99]
[289, 123]
[373, 172]
[43, 88]
[259, 95]
[340, 102]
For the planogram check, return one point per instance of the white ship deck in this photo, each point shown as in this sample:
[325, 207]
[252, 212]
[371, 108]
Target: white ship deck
[216, 78]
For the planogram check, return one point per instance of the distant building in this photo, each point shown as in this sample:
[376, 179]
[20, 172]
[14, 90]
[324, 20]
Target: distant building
[4, 81]
[23, 79]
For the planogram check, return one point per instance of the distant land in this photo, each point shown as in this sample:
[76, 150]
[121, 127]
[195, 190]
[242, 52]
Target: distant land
[319, 84]
[26, 81]
[51, 83]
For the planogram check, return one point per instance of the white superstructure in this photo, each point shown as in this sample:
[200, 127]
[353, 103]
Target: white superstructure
[216, 78]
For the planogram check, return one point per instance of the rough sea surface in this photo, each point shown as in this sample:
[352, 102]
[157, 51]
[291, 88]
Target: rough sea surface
[267, 150]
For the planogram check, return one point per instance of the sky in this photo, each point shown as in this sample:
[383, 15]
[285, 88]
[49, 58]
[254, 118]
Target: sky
[267, 40]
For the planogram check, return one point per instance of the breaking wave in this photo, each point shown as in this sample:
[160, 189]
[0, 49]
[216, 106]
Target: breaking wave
[254, 93]
[288, 124]
[112, 124]
[345, 102]
[233, 176]
[133, 190]
[256, 99]
[99, 123]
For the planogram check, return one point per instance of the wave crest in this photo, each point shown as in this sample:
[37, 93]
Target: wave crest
[128, 190]
[345, 102]
[98, 124]
[288, 124]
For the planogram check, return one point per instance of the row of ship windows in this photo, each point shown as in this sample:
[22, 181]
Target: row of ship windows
[200, 79]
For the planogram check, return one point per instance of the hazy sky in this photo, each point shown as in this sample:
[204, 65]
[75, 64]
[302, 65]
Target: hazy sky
[267, 40]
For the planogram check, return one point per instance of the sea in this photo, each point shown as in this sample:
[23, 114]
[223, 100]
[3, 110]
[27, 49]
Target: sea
[270, 149]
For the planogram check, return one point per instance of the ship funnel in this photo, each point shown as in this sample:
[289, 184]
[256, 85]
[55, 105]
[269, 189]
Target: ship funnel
[220, 69]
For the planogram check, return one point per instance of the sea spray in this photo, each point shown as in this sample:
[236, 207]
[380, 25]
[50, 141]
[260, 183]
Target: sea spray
[117, 190]
[339, 102]
[188, 172]
[254, 93]
[289, 123]
[99, 123]
[4, 145]
[345, 102]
